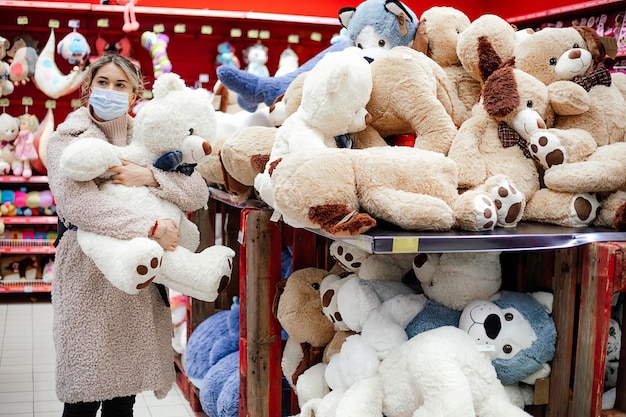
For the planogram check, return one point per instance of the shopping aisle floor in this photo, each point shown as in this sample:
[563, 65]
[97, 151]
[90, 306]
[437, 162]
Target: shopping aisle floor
[27, 366]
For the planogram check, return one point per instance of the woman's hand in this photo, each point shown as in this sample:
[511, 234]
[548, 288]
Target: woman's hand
[165, 232]
[132, 175]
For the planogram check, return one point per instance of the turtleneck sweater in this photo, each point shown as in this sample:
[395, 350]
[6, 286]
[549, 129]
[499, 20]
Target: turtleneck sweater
[117, 130]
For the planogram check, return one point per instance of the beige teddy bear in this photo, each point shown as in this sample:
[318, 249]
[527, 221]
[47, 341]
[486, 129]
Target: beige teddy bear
[412, 95]
[438, 33]
[493, 143]
[585, 100]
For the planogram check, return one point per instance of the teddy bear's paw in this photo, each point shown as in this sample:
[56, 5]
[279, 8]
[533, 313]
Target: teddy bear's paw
[476, 211]
[349, 256]
[546, 149]
[509, 201]
[5, 168]
[146, 272]
[338, 220]
[584, 208]
[424, 266]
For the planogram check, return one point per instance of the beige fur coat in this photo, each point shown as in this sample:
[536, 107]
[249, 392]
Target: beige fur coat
[108, 343]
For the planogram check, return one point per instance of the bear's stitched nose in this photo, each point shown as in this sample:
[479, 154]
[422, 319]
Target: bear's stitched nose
[492, 326]
[574, 54]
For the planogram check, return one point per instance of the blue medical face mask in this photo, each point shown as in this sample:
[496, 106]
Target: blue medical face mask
[108, 104]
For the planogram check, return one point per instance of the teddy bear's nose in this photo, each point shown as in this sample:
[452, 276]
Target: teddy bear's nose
[574, 54]
[493, 326]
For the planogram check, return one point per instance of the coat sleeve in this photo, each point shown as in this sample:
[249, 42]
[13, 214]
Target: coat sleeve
[189, 193]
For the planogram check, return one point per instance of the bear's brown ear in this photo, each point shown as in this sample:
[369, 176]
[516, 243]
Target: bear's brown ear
[500, 95]
[420, 43]
[593, 41]
[488, 58]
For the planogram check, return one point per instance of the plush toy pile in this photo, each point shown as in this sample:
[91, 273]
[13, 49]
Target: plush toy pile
[460, 346]
[501, 130]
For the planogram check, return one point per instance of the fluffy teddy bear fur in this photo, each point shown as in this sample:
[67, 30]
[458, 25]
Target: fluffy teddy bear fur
[437, 36]
[415, 98]
[182, 116]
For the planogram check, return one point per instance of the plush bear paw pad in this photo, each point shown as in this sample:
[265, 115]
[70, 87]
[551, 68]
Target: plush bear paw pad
[349, 258]
[146, 272]
[584, 208]
[509, 203]
[486, 212]
[546, 149]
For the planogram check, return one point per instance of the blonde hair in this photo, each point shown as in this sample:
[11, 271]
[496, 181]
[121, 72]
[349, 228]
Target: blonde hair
[132, 72]
[32, 122]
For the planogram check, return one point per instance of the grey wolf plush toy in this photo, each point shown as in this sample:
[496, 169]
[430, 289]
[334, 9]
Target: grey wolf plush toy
[178, 122]
[374, 24]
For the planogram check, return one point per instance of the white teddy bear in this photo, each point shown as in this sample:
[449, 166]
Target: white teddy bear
[176, 126]
[334, 96]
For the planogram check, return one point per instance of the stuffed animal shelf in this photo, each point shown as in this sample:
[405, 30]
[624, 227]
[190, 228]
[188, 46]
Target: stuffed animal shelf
[172, 131]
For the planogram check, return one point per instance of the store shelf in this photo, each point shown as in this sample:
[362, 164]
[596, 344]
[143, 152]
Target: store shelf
[526, 236]
[25, 286]
[27, 246]
[35, 179]
[572, 8]
[29, 220]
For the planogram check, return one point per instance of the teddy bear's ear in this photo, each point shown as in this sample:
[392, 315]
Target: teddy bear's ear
[402, 14]
[488, 58]
[280, 289]
[500, 95]
[420, 43]
[594, 43]
[167, 83]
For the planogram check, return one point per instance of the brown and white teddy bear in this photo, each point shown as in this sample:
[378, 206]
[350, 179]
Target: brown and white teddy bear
[493, 143]
[437, 36]
[585, 99]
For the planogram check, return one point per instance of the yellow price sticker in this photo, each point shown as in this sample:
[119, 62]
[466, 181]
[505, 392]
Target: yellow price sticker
[4, 102]
[253, 33]
[53, 24]
[76, 103]
[158, 28]
[264, 34]
[206, 30]
[22, 20]
[102, 23]
[293, 39]
[27, 101]
[180, 28]
[405, 245]
[235, 33]
[316, 36]
[51, 104]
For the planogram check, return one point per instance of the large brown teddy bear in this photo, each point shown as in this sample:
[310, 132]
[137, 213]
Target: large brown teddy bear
[585, 99]
[437, 36]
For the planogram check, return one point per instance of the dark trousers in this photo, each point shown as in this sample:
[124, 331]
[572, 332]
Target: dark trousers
[117, 407]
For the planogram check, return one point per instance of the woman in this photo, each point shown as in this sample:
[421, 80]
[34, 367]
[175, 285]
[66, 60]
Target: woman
[110, 345]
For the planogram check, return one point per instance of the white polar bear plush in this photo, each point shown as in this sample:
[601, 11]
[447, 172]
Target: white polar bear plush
[175, 128]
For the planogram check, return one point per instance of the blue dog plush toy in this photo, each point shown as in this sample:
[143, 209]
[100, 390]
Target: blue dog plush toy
[373, 26]
[513, 329]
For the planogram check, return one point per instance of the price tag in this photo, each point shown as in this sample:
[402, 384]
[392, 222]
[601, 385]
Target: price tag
[293, 39]
[51, 104]
[404, 245]
[158, 28]
[180, 28]
[316, 36]
[264, 34]
[27, 101]
[76, 103]
[235, 33]
[253, 33]
[147, 94]
[206, 30]
[74, 23]
[102, 23]
[22, 20]
[53, 24]
[4, 102]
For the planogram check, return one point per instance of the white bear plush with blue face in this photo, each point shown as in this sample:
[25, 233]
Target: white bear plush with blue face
[173, 131]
